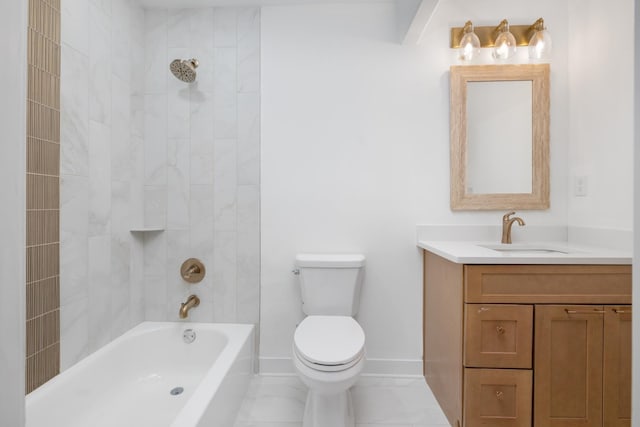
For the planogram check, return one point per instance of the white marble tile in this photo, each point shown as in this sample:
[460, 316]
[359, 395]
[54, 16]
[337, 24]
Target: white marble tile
[178, 185]
[202, 115]
[155, 51]
[74, 237]
[155, 254]
[121, 39]
[225, 182]
[74, 112]
[137, 70]
[136, 274]
[225, 102]
[202, 163]
[249, 50]
[155, 206]
[248, 255]
[99, 291]
[99, 179]
[202, 45]
[273, 400]
[74, 332]
[120, 286]
[178, 28]
[121, 160]
[224, 276]
[179, 109]
[136, 210]
[248, 139]
[74, 19]
[155, 139]
[103, 5]
[177, 288]
[201, 220]
[155, 295]
[99, 65]
[279, 400]
[225, 27]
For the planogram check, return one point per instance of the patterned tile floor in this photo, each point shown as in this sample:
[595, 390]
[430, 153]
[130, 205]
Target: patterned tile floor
[278, 401]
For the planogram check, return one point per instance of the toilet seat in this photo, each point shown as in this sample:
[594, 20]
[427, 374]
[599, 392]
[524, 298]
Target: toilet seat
[329, 343]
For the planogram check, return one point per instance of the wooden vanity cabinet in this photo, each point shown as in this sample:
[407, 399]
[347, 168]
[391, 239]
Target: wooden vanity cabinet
[528, 345]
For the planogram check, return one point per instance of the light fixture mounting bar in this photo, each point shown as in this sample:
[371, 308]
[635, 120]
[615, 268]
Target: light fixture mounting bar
[487, 35]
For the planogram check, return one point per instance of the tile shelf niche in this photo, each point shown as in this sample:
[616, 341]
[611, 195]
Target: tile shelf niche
[145, 229]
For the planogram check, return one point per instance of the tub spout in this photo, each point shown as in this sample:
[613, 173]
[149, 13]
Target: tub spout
[192, 301]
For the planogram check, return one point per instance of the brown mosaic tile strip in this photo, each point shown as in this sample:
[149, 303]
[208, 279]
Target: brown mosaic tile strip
[43, 262]
[43, 17]
[43, 227]
[43, 157]
[43, 192]
[43, 88]
[42, 332]
[41, 367]
[43, 296]
[43, 122]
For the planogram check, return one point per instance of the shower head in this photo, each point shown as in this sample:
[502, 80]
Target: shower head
[184, 70]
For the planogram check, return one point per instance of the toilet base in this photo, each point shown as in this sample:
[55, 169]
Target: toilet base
[328, 410]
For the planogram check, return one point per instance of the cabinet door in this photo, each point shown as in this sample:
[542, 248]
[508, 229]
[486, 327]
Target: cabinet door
[568, 366]
[617, 366]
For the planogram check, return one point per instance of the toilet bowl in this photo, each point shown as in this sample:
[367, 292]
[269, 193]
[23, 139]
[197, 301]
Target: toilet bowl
[328, 355]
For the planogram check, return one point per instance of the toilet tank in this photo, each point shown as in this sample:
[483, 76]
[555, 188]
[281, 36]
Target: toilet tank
[330, 283]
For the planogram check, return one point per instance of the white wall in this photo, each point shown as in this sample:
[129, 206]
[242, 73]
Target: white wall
[601, 119]
[13, 50]
[101, 293]
[355, 153]
[202, 162]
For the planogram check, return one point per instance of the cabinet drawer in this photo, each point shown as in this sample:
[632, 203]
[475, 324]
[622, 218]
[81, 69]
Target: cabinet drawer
[497, 397]
[498, 336]
[528, 284]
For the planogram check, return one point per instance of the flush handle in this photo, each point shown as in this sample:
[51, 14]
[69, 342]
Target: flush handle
[296, 271]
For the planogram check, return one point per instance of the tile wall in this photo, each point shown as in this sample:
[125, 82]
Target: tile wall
[43, 194]
[101, 173]
[202, 162]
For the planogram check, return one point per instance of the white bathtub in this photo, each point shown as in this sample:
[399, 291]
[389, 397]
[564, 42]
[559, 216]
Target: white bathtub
[128, 382]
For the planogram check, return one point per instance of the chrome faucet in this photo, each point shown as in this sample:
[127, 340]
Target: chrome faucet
[192, 301]
[506, 226]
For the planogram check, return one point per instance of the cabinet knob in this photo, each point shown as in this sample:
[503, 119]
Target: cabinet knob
[499, 395]
[499, 330]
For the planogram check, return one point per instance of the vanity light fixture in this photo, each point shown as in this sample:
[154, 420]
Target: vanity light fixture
[505, 43]
[469, 44]
[503, 40]
[540, 41]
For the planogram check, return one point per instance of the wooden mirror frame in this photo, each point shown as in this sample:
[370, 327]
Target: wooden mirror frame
[538, 74]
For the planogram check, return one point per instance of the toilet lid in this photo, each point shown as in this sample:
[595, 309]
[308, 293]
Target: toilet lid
[329, 340]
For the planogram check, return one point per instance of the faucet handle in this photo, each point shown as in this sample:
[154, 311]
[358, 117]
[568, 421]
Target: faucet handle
[506, 216]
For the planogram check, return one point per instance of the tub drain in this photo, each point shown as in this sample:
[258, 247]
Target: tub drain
[176, 391]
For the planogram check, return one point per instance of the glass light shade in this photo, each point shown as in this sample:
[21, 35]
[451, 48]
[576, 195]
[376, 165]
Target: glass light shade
[469, 46]
[540, 45]
[505, 45]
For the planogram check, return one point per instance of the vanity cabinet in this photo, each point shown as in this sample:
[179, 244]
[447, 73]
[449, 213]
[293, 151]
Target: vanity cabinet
[528, 345]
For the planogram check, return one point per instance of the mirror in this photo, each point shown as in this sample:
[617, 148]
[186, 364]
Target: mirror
[500, 137]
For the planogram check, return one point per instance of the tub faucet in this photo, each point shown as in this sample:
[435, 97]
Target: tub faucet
[506, 226]
[192, 301]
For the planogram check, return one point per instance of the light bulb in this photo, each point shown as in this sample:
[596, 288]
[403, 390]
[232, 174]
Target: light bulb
[540, 45]
[505, 44]
[469, 44]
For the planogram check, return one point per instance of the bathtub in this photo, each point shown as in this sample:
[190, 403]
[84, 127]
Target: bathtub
[152, 377]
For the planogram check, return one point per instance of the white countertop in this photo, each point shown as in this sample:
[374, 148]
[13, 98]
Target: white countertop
[473, 252]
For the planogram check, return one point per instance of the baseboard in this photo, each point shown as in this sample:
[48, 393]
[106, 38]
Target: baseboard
[376, 367]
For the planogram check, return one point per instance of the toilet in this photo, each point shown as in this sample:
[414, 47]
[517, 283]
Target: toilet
[328, 345]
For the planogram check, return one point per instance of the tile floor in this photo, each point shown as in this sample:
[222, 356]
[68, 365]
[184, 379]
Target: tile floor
[278, 401]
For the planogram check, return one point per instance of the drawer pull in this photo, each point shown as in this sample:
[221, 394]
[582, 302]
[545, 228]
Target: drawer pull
[499, 395]
[584, 311]
[499, 330]
[616, 311]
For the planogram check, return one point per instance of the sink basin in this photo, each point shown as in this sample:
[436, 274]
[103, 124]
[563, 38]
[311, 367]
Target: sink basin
[524, 249]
